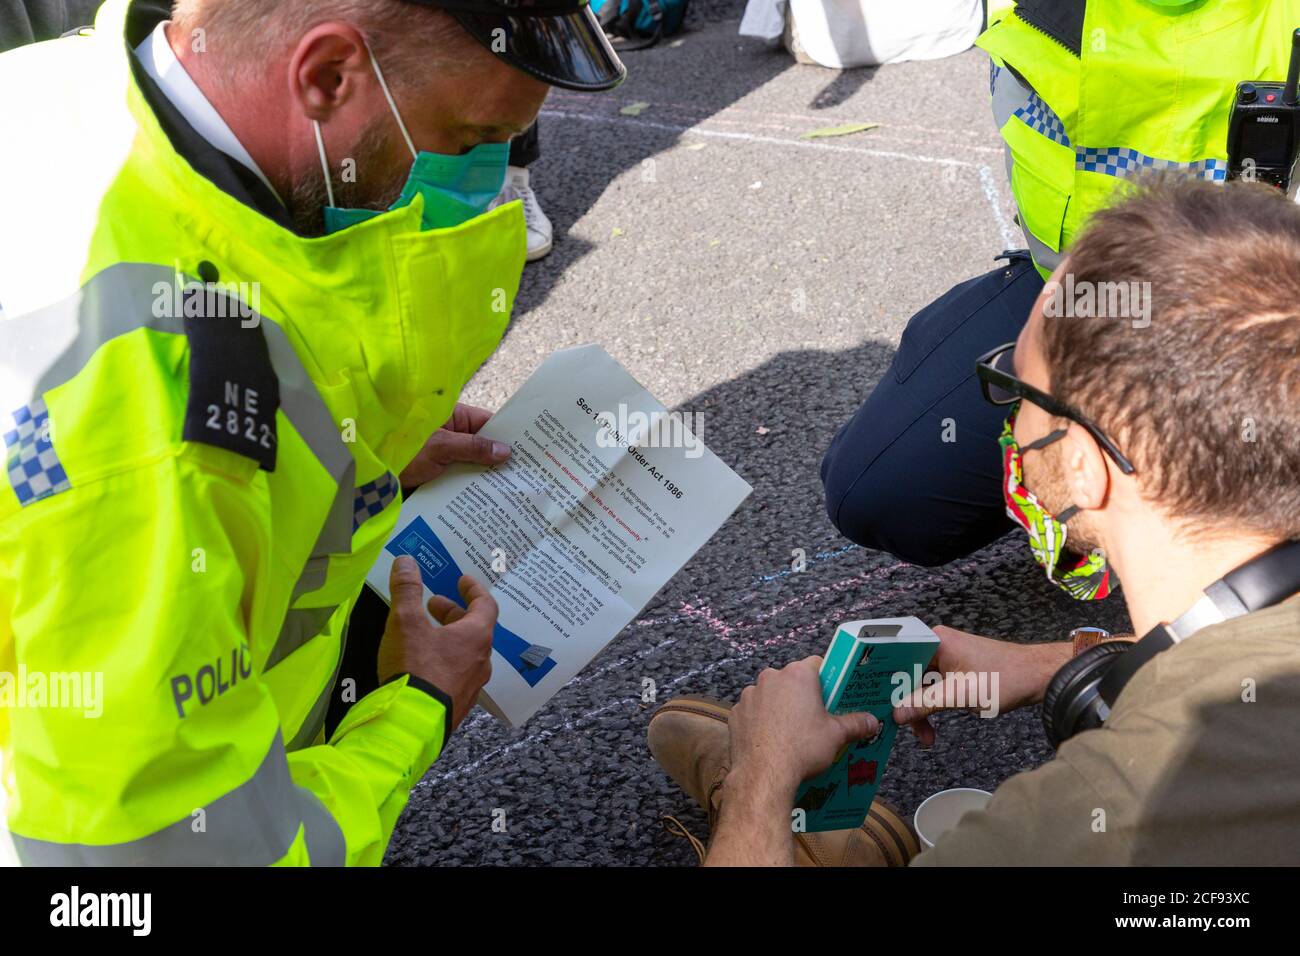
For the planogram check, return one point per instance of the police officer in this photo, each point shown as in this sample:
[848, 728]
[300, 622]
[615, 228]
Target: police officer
[247, 266]
[1085, 95]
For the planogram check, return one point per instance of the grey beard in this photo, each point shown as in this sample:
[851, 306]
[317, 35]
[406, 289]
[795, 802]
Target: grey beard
[308, 197]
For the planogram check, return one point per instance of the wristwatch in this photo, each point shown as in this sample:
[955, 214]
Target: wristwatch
[1082, 638]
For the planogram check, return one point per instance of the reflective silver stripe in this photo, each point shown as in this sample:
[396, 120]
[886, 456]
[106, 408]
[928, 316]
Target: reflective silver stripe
[1011, 98]
[336, 533]
[253, 825]
[313, 421]
[300, 626]
[46, 348]
[1009, 95]
[325, 843]
[315, 720]
[43, 349]
[1044, 256]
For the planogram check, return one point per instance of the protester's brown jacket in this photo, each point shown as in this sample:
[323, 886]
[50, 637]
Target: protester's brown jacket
[1199, 763]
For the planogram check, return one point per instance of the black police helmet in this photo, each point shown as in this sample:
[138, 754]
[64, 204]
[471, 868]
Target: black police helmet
[558, 41]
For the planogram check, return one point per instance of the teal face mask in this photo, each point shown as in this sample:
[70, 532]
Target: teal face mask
[455, 188]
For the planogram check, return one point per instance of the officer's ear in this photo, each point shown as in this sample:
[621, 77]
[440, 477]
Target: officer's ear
[1084, 468]
[328, 68]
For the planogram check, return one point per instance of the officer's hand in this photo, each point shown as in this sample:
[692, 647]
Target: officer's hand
[457, 657]
[456, 441]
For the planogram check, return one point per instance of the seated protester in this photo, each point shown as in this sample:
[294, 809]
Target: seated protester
[1171, 451]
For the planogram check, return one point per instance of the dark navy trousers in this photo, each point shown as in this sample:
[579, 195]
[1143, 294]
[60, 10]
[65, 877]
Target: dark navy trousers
[526, 148]
[916, 471]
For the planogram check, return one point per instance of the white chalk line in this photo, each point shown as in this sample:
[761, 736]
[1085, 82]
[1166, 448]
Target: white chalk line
[757, 126]
[1009, 239]
[985, 173]
[481, 715]
[743, 655]
[757, 138]
[570, 724]
[805, 119]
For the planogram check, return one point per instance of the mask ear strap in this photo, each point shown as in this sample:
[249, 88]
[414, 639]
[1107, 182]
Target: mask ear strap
[1045, 440]
[383, 85]
[324, 163]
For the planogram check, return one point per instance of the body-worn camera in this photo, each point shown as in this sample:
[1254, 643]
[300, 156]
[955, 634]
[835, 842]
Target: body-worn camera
[1264, 130]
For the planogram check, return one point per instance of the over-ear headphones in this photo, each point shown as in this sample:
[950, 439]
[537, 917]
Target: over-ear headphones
[1082, 693]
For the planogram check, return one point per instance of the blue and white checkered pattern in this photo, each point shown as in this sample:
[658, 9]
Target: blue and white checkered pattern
[1121, 161]
[35, 471]
[1040, 117]
[372, 498]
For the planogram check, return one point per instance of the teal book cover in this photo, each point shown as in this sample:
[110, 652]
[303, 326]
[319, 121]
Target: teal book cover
[867, 662]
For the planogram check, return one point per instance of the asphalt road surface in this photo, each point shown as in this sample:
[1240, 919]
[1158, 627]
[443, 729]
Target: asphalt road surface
[763, 281]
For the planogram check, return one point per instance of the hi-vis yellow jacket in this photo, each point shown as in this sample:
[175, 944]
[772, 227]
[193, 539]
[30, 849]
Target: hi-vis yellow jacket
[197, 477]
[1086, 95]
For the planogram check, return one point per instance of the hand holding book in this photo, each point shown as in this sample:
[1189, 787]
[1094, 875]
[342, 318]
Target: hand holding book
[869, 667]
[783, 707]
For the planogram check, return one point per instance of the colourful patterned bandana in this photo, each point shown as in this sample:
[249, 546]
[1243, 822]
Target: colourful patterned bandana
[1089, 580]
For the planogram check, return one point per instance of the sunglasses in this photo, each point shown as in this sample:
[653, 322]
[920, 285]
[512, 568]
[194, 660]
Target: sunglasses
[996, 372]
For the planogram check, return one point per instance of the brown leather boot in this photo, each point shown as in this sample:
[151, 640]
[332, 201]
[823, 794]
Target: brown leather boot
[688, 737]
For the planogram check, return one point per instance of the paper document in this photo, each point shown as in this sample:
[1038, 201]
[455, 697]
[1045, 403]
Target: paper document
[604, 499]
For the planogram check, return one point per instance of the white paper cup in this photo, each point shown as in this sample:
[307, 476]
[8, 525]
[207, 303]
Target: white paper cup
[939, 812]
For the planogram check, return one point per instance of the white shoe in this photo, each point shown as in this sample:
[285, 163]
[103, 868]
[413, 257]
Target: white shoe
[540, 231]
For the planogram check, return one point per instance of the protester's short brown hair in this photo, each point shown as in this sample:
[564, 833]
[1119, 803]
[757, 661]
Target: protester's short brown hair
[1202, 393]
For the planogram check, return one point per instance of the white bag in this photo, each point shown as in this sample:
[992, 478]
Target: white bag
[847, 33]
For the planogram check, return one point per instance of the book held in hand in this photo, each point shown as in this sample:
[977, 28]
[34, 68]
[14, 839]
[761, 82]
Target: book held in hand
[604, 498]
[867, 662]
